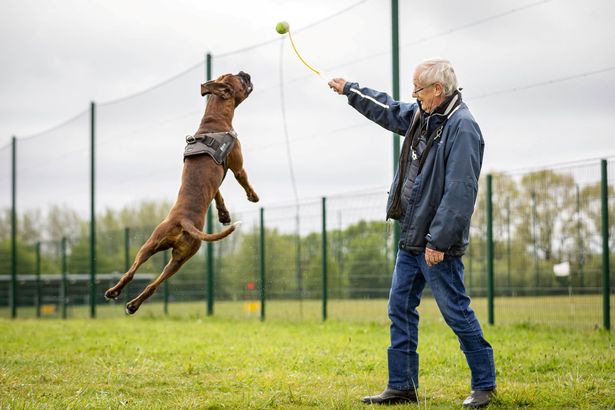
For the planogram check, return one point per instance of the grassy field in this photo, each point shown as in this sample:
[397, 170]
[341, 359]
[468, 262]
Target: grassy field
[190, 361]
[575, 311]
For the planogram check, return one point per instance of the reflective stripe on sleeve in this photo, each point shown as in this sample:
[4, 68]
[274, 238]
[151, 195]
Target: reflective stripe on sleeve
[354, 90]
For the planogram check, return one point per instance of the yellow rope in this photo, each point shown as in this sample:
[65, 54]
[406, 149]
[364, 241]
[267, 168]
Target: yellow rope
[299, 55]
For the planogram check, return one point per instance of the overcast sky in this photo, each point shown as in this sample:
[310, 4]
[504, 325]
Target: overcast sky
[539, 76]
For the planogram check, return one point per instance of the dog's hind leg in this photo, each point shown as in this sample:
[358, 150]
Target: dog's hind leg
[147, 250]
[176, 262]
[223, 215]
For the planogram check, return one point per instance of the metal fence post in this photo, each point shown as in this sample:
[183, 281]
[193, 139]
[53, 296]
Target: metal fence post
[37, 271]
[580, 256]
[92, 209]
[126, 248]
[606, 269]
[324, 259]
[490, 248]
[210, 225]
[165, 294]
[395, 95]
[262, 262]
[210, 264]
[535, 244]
[13, 292]
[508, 246]
[126, 259]
[208, 66]
[63, 286]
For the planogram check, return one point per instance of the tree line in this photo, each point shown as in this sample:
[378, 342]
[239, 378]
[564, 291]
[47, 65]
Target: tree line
[539, 219]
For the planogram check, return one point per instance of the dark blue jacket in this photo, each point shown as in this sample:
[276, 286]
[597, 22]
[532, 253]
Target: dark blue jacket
[444, 193]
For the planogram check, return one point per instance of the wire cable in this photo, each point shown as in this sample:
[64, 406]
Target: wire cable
[55, 127]
[285, 125]
[167, 81]
[317, 22]
[476, 23]
[542, 83]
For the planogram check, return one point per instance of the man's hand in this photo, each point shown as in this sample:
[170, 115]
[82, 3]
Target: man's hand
[433, 257]
[337, 85]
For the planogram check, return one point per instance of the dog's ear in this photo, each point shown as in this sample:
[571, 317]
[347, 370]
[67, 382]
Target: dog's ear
[220, 89]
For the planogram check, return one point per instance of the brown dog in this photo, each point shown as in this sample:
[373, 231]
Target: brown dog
[201, 178]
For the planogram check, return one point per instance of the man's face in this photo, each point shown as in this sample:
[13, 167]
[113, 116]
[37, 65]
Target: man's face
[428, 95]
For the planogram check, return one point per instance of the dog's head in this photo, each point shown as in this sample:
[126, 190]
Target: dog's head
[227, 86]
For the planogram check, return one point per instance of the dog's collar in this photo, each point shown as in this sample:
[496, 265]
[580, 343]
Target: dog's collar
[191, 139]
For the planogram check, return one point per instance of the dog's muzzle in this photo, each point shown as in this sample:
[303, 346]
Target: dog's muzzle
[245, 79]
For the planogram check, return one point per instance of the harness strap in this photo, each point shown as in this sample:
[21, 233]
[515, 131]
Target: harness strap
[215, 144]
[207, 140]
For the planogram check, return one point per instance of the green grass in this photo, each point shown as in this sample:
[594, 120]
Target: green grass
[182, 361]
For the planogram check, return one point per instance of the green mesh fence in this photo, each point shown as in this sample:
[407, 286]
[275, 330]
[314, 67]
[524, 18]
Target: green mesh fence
[361, 255]
[52, 191]
[236, 273]
[5, 225]
[611, 206]
[541, 218]
[547, 246]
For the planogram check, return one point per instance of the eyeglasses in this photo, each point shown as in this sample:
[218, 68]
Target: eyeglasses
[418, 90]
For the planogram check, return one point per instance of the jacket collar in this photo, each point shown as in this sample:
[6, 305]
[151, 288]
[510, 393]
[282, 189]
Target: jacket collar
[447, 106]
[442, 111]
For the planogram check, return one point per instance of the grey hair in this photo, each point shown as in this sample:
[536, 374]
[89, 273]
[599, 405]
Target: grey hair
[438, 70]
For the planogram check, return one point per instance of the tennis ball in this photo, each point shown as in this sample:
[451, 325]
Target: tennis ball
[282, 27]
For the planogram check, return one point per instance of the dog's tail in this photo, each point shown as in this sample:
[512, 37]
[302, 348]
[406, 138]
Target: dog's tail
[208, 237]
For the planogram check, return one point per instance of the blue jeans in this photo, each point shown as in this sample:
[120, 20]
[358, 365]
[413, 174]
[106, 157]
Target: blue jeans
[446, 282]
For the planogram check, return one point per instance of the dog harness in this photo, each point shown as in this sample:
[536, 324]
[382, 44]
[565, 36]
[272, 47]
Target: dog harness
[215, 144]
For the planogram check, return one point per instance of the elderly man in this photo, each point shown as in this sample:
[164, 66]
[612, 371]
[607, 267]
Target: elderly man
[432, 197]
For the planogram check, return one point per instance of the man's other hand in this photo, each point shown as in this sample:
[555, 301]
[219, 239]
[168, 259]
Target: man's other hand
[433, 257]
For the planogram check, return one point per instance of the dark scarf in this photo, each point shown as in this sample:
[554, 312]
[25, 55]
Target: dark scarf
[411, 142]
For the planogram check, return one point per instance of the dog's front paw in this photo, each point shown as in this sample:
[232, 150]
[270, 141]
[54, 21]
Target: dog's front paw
[131, 307]
[111, 294]
[224, 218]
[252, 197]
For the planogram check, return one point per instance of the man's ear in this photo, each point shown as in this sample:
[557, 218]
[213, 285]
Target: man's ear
[220, 89]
